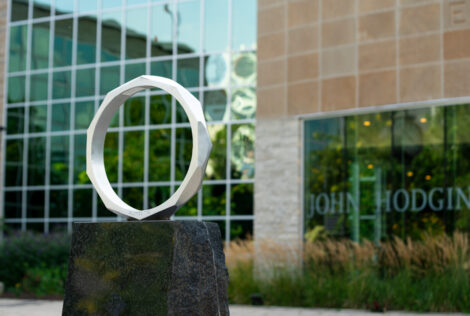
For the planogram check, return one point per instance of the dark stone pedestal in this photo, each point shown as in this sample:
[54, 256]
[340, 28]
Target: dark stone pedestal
[146, 268]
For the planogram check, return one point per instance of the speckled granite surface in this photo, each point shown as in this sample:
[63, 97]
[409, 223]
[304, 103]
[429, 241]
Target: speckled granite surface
[146, 268]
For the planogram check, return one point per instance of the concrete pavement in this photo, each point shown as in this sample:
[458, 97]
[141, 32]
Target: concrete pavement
[14, 307]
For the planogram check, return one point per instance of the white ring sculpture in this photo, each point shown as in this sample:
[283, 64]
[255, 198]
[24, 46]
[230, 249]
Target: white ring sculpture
[96, 135]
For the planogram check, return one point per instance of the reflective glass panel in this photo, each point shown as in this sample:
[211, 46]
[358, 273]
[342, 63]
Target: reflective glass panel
[35, 206]
[14, 162]
[38, 119]
[161, 20]
[215, 25]
[13, 204]
[215, 105]
[160, 109]
[61, 84]
[162, 68]
[183, 151]
[36, 160]
[214, 199]
[18, 43]
[133, 71]
[241, 199]
[86, 40]
[217, 165]
[38, 87]
[63, 6]
[181, 116]
[82, 202]
[244, 24]
[216, 70]
[35, 227]
[16, 89]
[19, 10]
[134, 111]
[63, 39]
[41, 8]
[136, 33]
[111, 3]
[58, 203]
[109, 79]
[87, 5]
[40, 46]
[85, 82]
[60, 120]
[243, 103]
[241, 229]
[84, 112]
[59, 160]
[79, 160]
[15, 120]
[159, 155]
[111, 36]
[244, 69]
[134, 197]
[157, 195]
[190, 208]
[188, 72]
[134, 2]
[189, 34]
[133, 157]
[243, 151]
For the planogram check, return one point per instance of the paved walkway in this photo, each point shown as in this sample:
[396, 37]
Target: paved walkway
[11, 307]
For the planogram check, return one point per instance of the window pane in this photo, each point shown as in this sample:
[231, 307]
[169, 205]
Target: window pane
[111, 36]
[136, 33]
[63, 6]
[85, 85]
[110, 155]
[87, 5]
[244, 24]
[160, 109]
[86, 45]
[82, 202]
[244, 69]
[40, 46]
[215, 105]
[161, 30]
[60, 117]
[243, 149]
[35, 204]
[38, 87]
[58, 206]
[133, 157]
[243, 103]
[36, 160]
[216, 71]
[241, 229]
[241, 199]
[59, 160]
[16, 89]
[189, 209]
[134, 111]
[61, 84]
[183, 152]
[15, 120]
[63, 37]
[19, 10]
[134, 70]
[84, 112]
[42, 8]
[188, 27]
[134, 2]
[188, 72]
[157, 195]
[162, 68]
[215, 25]
[109, 79]
[159, 155]
[37, 119]
[79, 160]
[181, 116]
[111, 3]
[13, 204]
[18, 43]
[134, 197]
[35, 227]
[14, 162]
[214, 199]
[217, 165]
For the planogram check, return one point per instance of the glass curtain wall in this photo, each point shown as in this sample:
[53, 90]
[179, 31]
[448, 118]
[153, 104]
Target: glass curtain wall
[403, 173]
[65, 55]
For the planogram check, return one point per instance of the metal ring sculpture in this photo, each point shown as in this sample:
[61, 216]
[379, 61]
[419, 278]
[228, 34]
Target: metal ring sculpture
[96, 135]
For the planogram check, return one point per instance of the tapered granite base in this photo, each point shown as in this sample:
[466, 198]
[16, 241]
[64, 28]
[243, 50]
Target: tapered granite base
[146, 268]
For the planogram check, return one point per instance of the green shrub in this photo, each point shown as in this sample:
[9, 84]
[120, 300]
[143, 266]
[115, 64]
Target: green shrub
[24, 252]
[44, 281]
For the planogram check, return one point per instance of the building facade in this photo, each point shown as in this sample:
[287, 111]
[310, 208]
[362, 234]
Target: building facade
[362, 118]
[63, 56]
